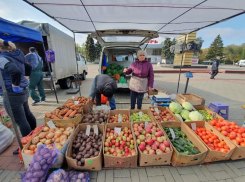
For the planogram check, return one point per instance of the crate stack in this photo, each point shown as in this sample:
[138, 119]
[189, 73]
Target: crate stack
[161, 100]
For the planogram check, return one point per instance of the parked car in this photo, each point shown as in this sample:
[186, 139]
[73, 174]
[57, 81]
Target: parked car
[242, 63]
[237, 63]
[209, 62]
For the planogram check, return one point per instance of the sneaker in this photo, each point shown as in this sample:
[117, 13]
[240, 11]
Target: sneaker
[34, 103]
[43, 100]
[16, 152]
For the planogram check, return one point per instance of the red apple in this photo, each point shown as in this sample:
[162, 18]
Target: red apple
[152, 152]
[162, 147]
[142, 147]
[146, 152]
[149, 141]
[154, 146]
[166, 143]
[158, 152]
[167, 150]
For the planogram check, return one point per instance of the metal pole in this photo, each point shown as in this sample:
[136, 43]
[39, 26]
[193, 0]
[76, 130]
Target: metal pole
[186, 85]
[77, 64]
[10, 110]
[50, 74]
[181, 66]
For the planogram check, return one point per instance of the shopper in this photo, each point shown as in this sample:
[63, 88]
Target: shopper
[36, 78]
[142, 78]
[15, 73]
[103, 84]
[215, 67]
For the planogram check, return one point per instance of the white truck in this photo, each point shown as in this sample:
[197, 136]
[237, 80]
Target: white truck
[67, 63]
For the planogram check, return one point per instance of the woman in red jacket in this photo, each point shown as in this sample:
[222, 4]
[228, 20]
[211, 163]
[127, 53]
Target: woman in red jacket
[142, 79]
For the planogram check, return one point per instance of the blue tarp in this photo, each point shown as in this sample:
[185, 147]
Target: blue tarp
[14, 32]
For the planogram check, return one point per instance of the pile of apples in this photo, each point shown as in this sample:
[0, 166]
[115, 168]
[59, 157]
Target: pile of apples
[119, 145]
[162, 116]
[151, 140]
[231, 130]
[114, 119]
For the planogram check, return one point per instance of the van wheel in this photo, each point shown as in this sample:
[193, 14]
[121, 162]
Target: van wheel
[65, 83]
[84, 76]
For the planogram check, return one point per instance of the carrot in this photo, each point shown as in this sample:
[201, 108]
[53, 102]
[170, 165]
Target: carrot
[68, 113]
[65, 118]
[54, 117]
[59, 116]
[69, 104]
[47, 115]
[57, 111]
[72, 114]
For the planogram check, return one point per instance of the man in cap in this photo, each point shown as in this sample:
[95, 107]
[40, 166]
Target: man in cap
[103, 84]
[36, 78]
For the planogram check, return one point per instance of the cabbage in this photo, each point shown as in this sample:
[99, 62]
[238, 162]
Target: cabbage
[175, 107]
[195, 116]
[188, 120]
[179, 117]
[187, 105]
[185, 114]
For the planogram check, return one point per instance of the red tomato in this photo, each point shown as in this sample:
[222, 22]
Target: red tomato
[215, 137]
[242, 144]
[243, 135]
[233, 123]
[222, 150]
[224, 133]
[239, 131]
[232, 135]
[236, 142]
[226, 147]
[220, 145]
[213, 122]
[206, 141]
[239, 139]
[218, 125]
[218, 149]
[211, 140]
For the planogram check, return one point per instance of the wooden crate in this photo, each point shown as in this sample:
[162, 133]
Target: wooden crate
[191, 98]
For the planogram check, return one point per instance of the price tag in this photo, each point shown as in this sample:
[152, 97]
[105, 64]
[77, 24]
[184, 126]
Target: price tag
[96, 131]
[117, 130]
[214, 115]
[146, 124]
[156, 110]
[140, 114]
[243, 125]
[119, 119]
[88, 130]
[76, 102]
[194, 126]
[51, 124]
[172, 133]
[73, 97]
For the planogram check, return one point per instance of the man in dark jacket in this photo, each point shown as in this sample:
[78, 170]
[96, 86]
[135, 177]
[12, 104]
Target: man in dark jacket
[215, 67]
[103, 84]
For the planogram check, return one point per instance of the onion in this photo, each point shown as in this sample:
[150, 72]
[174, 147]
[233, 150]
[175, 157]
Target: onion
[28, 152]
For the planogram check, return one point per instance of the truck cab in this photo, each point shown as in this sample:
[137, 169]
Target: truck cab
[82, 65]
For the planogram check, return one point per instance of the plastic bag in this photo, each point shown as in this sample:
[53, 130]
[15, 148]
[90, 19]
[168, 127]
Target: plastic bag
[40, 164]
[122, 80]
[76, 176]
[6, 136]
[104, 108]
[59, 175]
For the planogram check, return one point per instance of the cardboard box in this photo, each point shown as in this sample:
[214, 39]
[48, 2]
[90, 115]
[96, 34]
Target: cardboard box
[154, 160]
[145, 111]
[120, 162]
[179, 159]
[62, 122]
[214, 114]
[192, 98]
[87, 107]
[214, 155]
[164, 109]
[58, 163]
[91, 164]
[153, 92]
[114, 112]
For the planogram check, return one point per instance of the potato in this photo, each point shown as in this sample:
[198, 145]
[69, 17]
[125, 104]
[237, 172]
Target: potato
[78, 157]
[79, 163]
[84, 144]
[91, 151]
[96, 153]
[74, 156]
[88, 147]
[88, 140]
[81, 148]
[78, 145]
[96, 146]
[84, 152]
[82, 160]
[86, 156]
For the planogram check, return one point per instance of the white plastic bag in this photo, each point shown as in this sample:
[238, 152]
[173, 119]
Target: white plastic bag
[6, 136]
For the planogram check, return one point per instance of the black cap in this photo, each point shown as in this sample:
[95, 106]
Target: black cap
[32, 49]
[108, 92]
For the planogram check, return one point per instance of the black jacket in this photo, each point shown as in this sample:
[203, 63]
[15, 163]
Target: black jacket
[105, 85]
[215, 65]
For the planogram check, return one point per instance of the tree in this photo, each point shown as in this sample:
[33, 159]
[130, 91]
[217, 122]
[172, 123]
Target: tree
[216, 49]
[83, 50]
[78, 48]
[233, 53]
[87, 43]
[90, 49]
[243, 53]
[166, 48]
[199, 39]
[98, 49]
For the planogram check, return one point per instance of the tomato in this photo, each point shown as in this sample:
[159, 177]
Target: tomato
[242, 144]
[239, 135]
[206, 141]
[220, 145]
[232, 135]
[211, 140]
[239, 139]
[218, 149]
[224, 133]
[218, 125]
[236, 142]
[239, 131]
[233, 123]
[215, 137]
[213, 122]
[222, 150]
[243, 135]
[226, 147]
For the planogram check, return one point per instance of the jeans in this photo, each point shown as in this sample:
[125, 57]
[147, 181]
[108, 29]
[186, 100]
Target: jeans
[139, 97]
[93, 94]
[21, 111]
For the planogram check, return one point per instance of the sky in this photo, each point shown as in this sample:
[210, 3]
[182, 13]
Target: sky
[231, 31]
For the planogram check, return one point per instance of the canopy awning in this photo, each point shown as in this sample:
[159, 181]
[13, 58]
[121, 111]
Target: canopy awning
[10, 31]
[166, 17]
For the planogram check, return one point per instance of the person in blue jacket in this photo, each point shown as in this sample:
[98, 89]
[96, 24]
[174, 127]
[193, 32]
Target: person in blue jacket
[36, 77]
[15, 73]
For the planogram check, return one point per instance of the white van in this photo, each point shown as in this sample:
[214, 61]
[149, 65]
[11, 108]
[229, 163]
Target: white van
[242, 63]
[82, 65]
[120, 47]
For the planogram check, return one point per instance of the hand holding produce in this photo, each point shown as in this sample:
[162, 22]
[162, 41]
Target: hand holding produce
[120, 145]
[114, 119]
[231, 130]
[59, 136]
[212, 140]
[136, 117]
[98, 117]
[162, 116]
[180, 142]
[151, 140]
[84, 147]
